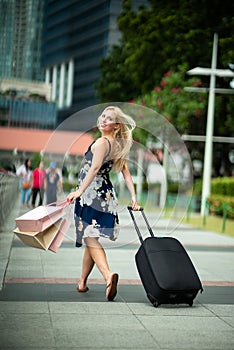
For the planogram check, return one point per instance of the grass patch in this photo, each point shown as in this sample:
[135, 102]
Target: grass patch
[213, 223]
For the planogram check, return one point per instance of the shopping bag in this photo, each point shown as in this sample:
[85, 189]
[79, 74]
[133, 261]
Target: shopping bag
[42, 217]
[57, 241]
[42, 239]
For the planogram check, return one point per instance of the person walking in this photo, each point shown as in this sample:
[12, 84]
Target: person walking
[53, 184]
[95, 199]
[38, 186]
[25, 174]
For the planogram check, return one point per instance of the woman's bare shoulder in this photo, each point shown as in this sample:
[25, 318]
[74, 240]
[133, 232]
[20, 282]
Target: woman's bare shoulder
[100, 143]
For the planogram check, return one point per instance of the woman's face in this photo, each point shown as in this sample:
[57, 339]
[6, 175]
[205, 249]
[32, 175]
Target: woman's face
[107, 121]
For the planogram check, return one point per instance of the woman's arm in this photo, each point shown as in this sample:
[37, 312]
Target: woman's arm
[99, 149]
[128, 179]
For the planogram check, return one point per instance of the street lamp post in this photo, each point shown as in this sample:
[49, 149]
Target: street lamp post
[212, 72]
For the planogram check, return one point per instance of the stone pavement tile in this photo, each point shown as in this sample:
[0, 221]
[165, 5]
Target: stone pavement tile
[24, 262]
[26, 330]
[101, 331]
[90, 308]
[229, 320]
[28, 253]
[221, 310]
[28, 348]
[200, 332]
[193, 340]
[221, 270]
[213, 266]
[169, 310]
[173, 322]
[21, 307]
[25, 269]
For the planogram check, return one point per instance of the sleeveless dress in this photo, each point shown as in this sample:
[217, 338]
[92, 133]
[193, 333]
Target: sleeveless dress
[96, 209]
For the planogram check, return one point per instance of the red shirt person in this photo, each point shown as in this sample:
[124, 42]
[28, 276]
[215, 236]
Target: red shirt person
[39, 175]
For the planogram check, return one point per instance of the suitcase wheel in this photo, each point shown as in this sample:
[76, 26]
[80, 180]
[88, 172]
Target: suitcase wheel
[153, 300]
[190, 303]
[156, 304]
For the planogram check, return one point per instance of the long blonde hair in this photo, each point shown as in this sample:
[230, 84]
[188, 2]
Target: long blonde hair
[122, 136]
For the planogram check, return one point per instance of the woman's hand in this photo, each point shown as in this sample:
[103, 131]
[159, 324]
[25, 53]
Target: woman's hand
[71, 197]
[135, 205]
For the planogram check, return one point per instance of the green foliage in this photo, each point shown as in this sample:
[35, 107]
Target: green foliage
[197, 187]
[221, 200]
[169, 99]
[116, 83]
[223, 186]
[161, 38]
[170, 36]
[219, 205]
[36, 158]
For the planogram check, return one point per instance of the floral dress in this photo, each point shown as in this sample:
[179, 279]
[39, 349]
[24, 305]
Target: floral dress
[96, 209]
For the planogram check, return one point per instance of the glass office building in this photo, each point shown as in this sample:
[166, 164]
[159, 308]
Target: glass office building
[20, 39]
[77, 35]
[21, 71]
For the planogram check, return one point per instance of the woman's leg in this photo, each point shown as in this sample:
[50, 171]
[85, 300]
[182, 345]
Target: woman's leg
[41, 193]
[23, 192]
[87, 266]
[28, 195]
[98, 255]
[34, 196]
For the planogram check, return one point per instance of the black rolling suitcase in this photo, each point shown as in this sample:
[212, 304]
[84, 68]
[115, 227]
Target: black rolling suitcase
[165, 269]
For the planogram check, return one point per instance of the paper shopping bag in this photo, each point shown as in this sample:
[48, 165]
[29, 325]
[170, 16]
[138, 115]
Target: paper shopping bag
[40, 218]
[64, 226]
[40, 240]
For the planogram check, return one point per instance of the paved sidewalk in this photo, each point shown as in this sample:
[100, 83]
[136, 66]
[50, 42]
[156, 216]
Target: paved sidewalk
[41, 309]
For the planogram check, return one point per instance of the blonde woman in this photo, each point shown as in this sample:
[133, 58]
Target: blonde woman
[96, 203]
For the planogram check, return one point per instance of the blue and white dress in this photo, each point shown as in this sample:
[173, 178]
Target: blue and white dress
[96, 209]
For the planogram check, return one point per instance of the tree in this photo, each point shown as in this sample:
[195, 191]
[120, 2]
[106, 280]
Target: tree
[181, 108]
[115, 84]
[160, 38]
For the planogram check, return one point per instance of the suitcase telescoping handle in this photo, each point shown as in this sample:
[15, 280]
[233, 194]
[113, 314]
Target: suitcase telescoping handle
[135, 223]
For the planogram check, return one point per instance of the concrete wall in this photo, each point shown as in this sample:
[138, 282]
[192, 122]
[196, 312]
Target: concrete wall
[9, 185]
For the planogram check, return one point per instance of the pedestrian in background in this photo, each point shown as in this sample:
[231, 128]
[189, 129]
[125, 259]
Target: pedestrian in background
[25, 173]
[53, 183]
[95, 199]
[38, 186]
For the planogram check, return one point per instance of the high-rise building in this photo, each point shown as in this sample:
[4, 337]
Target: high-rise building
[25, 99]
[21, 23]
[77, 35]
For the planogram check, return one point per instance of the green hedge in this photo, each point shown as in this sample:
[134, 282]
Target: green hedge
[223, 186]
[219, 204]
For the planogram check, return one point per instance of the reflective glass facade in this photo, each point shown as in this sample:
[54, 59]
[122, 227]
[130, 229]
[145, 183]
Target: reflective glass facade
[27, 114]
[77, 35]
[20, 39]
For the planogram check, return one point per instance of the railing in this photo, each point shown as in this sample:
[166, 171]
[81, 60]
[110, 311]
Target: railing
[9, 185]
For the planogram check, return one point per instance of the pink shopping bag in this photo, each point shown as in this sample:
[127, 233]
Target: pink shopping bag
[43, 239]
[57, 241]
[41, 218]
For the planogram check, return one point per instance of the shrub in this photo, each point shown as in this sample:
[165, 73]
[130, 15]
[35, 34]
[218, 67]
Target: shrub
[223, 186]
[218, 203]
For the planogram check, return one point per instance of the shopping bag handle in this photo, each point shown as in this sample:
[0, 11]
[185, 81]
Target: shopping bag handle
[60, 203]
